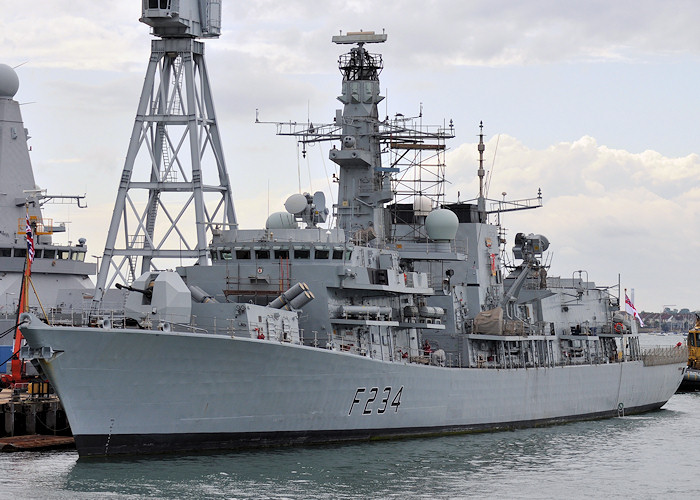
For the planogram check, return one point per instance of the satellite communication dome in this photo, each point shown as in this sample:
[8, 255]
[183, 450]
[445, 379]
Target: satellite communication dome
[9, 82]
[296, 203]
[441, 225]
[281, 220]
[422, 206]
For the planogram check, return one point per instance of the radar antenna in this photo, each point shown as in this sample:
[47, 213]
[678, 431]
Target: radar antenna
[380, 160]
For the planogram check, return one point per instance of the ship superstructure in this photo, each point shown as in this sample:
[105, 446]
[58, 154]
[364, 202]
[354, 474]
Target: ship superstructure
[401, 319]
[58, 267]
[60, 283]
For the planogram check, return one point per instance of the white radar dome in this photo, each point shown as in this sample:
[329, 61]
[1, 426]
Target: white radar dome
[441, 225]
[296, 203]
[9, 82]
[281, 220]
[422, 206]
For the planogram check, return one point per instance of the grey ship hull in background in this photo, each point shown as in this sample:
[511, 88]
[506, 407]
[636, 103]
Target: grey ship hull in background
[401, 320]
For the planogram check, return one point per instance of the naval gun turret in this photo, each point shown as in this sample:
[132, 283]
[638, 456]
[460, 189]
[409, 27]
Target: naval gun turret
[147, 293]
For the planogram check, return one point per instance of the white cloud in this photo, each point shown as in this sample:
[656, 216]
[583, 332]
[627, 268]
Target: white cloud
[606, 211]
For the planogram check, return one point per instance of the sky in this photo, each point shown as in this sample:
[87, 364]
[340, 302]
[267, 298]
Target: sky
[596, 103]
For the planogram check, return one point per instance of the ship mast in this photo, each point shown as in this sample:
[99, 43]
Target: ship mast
[175, 134]
[365, 184]
[481, 202]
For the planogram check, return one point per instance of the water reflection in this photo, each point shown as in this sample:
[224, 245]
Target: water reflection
[639, 456]
[542, 462]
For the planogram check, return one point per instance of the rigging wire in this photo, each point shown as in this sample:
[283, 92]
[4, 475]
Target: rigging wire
[493, 164]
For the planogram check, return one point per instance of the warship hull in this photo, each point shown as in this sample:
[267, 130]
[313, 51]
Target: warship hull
[144, 391]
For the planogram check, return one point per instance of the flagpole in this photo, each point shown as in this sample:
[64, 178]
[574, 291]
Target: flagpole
[17, 366]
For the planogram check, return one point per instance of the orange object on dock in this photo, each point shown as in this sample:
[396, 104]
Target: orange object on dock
[35, 442]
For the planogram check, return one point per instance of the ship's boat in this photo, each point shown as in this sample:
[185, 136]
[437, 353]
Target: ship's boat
[406, 317]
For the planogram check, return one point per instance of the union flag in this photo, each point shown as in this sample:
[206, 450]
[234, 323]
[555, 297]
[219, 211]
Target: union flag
[30, 241]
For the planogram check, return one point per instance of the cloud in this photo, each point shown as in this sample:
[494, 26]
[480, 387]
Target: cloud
[606, 211]
[78, 35]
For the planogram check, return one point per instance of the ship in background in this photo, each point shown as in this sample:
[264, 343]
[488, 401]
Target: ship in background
[403, 318]
[60, 275]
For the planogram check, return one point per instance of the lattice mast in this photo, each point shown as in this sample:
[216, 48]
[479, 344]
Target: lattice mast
[365, 185]
[174, 134]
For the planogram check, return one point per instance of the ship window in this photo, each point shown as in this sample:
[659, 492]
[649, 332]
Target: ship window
[20, 252]
[38, 254]
[64, 254]
[282, 254]
[78, 256]
[321, 254]
[49, 254]
[303, 253]
[262, 254]
[158, 4]
[243, 253]
[226, 254]
[691, 339]
[5, 252]
[338, 253]
[214, 255]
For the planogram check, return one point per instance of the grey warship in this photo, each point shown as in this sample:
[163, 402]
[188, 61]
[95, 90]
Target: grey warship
[406, 317]
[60, 279]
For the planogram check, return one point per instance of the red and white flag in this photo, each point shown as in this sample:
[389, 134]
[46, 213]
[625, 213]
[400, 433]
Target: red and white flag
[629, 308]
[30, 241]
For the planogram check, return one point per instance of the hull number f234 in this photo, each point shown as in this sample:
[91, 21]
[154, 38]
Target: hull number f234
[374, 400]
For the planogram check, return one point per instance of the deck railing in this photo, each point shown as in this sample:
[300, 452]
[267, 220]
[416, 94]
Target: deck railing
[665, 355]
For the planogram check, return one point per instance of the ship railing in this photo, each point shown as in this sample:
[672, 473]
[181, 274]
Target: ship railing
[665, 355]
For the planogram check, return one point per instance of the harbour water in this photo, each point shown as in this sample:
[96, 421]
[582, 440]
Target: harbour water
[646, 456]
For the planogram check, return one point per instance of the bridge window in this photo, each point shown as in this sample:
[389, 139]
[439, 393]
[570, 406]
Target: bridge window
[302, 253]
[321, 253]
[282, 253]
[20, 252]
[262, 254]
[5, 252]
[243, 253]
[49, 254]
